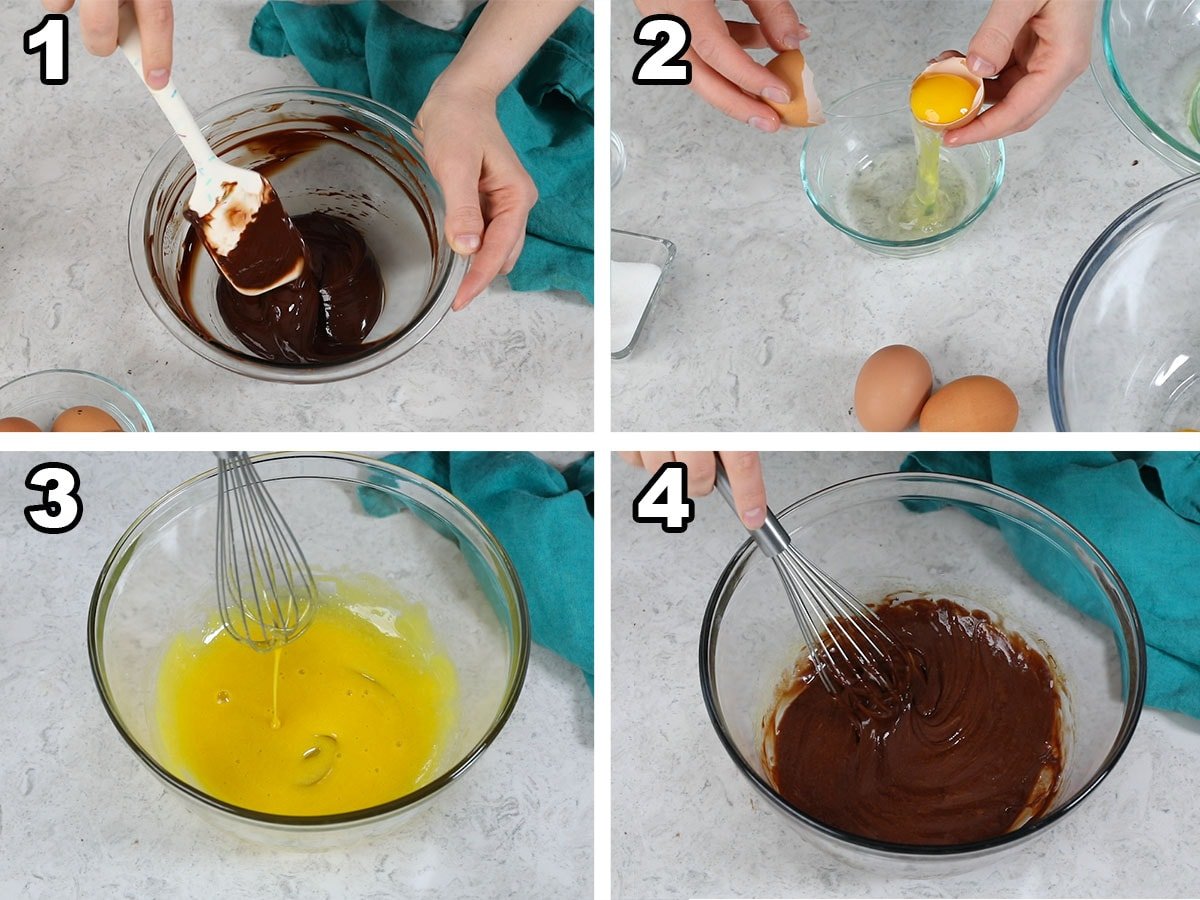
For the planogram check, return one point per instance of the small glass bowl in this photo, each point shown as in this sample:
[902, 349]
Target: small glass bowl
[629, 310]
[1124, 350]
[1146, 59]
[365, 164]
[618, 159]
[41, 396]
[923, 532]
[158, 582]
[868, 146]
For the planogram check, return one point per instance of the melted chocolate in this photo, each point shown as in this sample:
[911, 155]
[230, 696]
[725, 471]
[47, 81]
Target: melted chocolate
[973, 751]
[324, 315]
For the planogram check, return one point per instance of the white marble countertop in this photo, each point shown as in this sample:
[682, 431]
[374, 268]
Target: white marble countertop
[81, 816]
[70, 157]
[770, 311]
[687, 823]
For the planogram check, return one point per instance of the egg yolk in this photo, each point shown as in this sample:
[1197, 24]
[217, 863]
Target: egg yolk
[353, 713]
[941, 98]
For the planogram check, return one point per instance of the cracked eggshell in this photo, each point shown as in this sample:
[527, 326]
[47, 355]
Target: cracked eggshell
[954, 65]
[804, 110]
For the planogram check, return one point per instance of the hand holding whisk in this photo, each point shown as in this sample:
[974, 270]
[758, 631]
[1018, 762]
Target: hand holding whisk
[848, 646]
[265, 588]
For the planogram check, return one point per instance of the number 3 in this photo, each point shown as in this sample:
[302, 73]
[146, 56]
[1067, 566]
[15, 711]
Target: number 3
[670, 37]
[61, 507]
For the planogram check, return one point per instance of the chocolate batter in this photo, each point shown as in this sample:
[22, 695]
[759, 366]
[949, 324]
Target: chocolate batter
[324, 315]
[972, 750]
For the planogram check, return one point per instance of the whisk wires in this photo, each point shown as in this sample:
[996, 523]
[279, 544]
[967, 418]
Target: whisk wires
[265, 588]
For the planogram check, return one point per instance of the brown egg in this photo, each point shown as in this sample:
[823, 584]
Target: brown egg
[974, 403]
[16, 423]
[892, 386]
[85, 418]
[805, 106]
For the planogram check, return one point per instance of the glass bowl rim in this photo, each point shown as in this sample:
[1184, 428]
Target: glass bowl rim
[928, 240]
[1133, 706]
[1080, 280]
[121, 389]
[1114, 72]
[236, 361]
[518, 667]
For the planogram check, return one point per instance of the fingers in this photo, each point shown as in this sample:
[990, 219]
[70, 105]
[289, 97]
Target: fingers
[633, 457]
[992, 46]
[1027, 100]
[749, 493]
[457, 171]
[712, 42]
[511, 262]
[748, 35]
[57, 6]
[98, 26]
[156, 26]
[652, 460]
[736, 104]
[701, 471]
[779, 22]
[503, 233]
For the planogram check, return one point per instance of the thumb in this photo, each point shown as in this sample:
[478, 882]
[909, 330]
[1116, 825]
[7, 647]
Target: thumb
[458, 176]
[992, 46]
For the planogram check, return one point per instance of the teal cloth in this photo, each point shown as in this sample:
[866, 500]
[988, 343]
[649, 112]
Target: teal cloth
[547, 112]
[541, 517]
[1142, 512]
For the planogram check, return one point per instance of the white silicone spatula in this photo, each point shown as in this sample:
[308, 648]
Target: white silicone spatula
[246, 231]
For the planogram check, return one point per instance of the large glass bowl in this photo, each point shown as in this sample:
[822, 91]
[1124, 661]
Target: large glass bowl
[1124, 350]
[1147, 62]
[364, 164]
[869, 534]
[159, 581]
[864, 160]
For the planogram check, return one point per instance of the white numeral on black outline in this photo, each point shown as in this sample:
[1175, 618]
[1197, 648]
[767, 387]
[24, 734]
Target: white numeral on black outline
[49, 39]
[61, 507]
[664, 500]
[670, 37]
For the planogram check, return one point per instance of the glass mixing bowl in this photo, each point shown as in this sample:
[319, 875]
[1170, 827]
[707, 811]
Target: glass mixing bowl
[868, 535]
[159, 581]
[1147, 62]
[364, 165]
[862, 164]
[1124, 350]
[41, 396]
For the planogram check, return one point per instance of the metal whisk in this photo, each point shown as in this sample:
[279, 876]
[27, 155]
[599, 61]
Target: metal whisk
[847, 644]
[265, 589]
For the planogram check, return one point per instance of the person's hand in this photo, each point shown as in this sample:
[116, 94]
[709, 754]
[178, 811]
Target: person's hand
[1035, 49]
[98, 25]
[743, 469]
[488, 192]
[722, 71]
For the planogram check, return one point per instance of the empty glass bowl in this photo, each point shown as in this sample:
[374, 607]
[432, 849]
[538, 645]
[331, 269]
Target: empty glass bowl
[159, 581]
[860, 168]
[1125, 342]
[921, 532]
[1147, 61]
[362, 163]
[41, 396]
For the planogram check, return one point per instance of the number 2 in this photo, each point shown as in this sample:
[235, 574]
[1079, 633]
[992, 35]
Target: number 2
[49, 38]
[664, 500]
[670, 37]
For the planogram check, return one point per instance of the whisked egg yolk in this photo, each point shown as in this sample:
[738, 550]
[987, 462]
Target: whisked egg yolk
[940, 98]
[353, 713]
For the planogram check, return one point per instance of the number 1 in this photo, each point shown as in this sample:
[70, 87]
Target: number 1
[49, 38]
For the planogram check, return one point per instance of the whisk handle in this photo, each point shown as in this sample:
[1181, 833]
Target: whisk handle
[772, 538]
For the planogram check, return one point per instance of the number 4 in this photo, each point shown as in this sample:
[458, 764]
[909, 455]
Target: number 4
[664, 500]
[49, 38]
